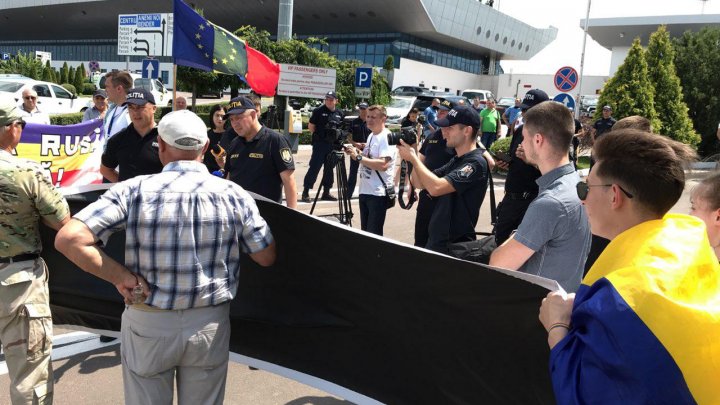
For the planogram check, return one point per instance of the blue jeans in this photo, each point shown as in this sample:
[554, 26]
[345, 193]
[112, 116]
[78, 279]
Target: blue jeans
[372, 213]
[488, 138]
[320, 150]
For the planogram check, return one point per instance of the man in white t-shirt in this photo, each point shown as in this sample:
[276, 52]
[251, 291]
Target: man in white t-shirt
[377, 164]
[117, 85]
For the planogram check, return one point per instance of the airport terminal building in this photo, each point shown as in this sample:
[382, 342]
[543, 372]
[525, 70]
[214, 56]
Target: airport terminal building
[448, 45]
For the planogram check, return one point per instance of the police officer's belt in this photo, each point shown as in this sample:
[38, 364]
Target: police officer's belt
[521, 196]
[19, 258]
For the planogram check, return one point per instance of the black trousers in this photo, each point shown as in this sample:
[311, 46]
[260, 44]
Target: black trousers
[352, 176]
[510, 214]
[425, 207]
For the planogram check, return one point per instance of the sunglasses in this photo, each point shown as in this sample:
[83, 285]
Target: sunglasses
[583, 188]
[30, 98]
[21, 123]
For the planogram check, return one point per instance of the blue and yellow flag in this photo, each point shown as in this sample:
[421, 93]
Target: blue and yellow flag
[203, 45]
[646, 321]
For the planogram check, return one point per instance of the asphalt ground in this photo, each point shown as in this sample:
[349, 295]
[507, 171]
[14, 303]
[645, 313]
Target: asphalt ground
[90, 372]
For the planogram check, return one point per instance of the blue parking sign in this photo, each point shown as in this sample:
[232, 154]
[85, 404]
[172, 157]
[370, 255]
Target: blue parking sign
[363, 77]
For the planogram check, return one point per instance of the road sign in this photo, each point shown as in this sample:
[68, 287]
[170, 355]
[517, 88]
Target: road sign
[363, 81]
[94, 66]
[565, 99]
[566, 79]
[5, 56]
[150, 68]
[305, 81]
[145, 34]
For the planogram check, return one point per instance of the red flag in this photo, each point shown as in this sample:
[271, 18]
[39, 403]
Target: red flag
[263, 74]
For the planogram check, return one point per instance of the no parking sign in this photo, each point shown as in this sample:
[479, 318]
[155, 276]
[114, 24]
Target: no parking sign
[566, 79]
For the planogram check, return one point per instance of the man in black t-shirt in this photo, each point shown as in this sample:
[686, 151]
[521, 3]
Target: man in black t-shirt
[322, 145]
[434, 153]
[604, 124]
[459, 186]
[520, 186]
[134, 150]
[359, 135]
[259, 159]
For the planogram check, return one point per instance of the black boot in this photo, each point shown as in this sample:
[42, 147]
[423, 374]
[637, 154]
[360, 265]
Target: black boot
[305, 196]
[327, 196]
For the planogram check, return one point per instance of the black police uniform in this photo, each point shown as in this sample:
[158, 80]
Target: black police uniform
[135, 155]
[602, 126]
[437, 155]
[520, 190]
[322, 146]
[256, 165]
[360, 133]
[209, 158]
[456, 214]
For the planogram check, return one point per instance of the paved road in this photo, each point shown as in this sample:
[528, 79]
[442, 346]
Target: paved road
[87, 372]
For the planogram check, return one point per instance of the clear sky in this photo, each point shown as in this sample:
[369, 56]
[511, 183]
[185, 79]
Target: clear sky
[565, 15]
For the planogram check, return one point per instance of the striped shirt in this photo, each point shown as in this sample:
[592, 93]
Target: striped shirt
[185, 229]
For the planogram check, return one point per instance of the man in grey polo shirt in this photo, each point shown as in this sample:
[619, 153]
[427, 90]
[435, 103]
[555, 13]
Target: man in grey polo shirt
[553, 239]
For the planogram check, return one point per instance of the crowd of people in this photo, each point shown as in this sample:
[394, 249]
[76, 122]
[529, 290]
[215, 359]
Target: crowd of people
[182, 199]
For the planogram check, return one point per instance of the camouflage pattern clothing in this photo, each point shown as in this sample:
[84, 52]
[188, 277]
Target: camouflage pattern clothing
[26, 196]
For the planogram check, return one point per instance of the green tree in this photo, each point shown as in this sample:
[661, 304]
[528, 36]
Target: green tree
[697, 58]
[64, 73]
[389, 63]
[71, 76]
[55, 75]
[194, 80]
[629, 91]
[669, 104]
[47, 74]
[24, 64]
[79, 78]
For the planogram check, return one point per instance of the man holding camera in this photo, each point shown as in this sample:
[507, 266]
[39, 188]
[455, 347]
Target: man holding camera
[377, 167]
[459, 186]
[322, 143]
[259, 159]
[359, 133]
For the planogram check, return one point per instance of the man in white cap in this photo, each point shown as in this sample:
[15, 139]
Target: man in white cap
[185, 229]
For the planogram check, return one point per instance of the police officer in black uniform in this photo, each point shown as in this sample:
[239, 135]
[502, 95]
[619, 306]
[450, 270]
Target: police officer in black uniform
[134, 150]
[360, 133]
[520, 185]
[259, 159]
[322, 143]
[434, 154]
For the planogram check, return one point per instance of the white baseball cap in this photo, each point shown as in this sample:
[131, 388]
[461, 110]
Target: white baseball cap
[183, 130]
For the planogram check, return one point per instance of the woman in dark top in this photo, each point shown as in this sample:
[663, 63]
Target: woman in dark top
[217, 112]
[410, 119]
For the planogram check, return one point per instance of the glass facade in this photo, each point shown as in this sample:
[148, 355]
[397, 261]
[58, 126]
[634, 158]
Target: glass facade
[85, 50]
[375, 48]
[368, 48]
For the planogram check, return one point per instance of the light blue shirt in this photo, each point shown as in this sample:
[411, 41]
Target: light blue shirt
[556, 227]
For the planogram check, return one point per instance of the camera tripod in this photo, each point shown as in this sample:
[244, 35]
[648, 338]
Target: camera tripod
[337, 160]
[271, 118]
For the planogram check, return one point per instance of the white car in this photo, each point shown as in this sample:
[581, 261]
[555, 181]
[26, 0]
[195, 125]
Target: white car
[52, 98]
[398, 108]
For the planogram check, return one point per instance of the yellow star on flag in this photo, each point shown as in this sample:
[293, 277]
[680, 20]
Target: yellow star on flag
[201, 27]
[224, 61]
[215, 61]
[232, 57]
[230, 42]
[207, 56]
[234, 50]
[200, 46]
[197, 36]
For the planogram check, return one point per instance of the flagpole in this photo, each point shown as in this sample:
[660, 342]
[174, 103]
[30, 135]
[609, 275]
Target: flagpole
[174, 86]
[582, 63]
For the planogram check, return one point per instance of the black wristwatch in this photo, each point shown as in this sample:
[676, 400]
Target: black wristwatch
[359, 157]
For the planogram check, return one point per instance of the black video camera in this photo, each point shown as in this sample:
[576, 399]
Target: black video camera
[335, 133]
[421, 118]
[407, 134]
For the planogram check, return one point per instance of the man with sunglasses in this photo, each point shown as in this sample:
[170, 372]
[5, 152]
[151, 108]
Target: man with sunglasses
[30, 110]
[644, 325]
[553, 238]
[99, 107]
[25, 319]
[134, 150]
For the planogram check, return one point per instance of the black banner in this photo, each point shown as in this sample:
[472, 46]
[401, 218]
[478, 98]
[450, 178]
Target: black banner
[386, 320]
